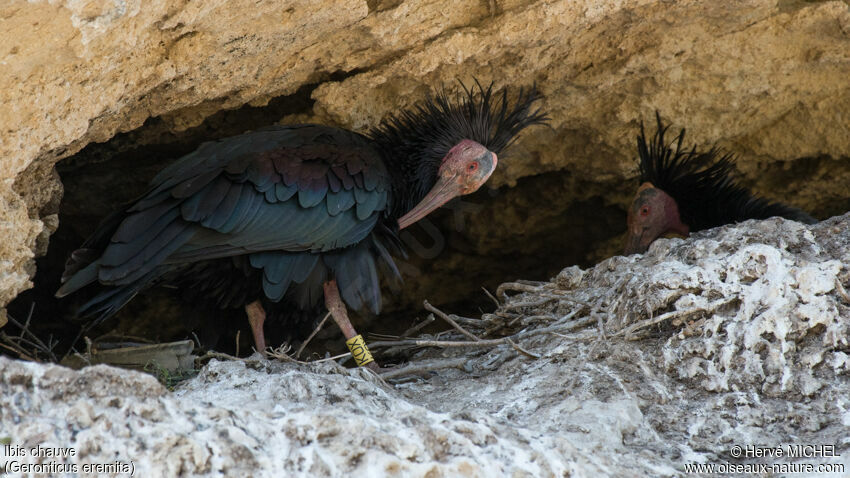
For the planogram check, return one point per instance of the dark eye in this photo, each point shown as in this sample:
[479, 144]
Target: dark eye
[644, 211]
[472, 166]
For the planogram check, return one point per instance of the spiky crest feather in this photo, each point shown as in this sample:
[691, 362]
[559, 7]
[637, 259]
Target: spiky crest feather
[702, 184]
[416, 139]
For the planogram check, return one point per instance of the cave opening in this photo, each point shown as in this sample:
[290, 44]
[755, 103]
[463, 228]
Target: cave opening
[527, 231]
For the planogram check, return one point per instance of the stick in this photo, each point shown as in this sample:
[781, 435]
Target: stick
[312, 334]
[35, 342]
[197, 340]
[29, 318]
[841, 291]
[224, 356]
[437, 343]
[491, 296]
[328, 359]
[521, 350]
[418, 327]
[536, 303]
[424, 367]
[281, 353]
[467, 321]
[669, 315]
[516, 286]
[19, 351]
[484, 343]
[277, 354]
[451, 322]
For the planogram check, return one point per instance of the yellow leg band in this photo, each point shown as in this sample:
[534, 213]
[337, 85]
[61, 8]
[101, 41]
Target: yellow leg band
[359, 350]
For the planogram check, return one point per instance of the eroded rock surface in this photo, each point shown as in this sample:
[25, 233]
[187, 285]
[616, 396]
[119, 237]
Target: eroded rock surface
[764, 78]
[647, 363]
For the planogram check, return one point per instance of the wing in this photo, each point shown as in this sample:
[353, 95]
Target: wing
[299, 189]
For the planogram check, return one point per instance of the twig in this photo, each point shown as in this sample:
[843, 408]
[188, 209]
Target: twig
[515, 286]
[521, 350]
[197, 340]
[328, 359]
[224, 356]
[561, 295]
[484, 343]
[281, 353]
[124, 338]
[418, 327]
[451, 322]
[237, 342]
[841, 291]
[467, 320]
[536, 318]
[668, 316]
[424, 367]
[491, 296]
[36, 342]
[18, 350]
[536, 303]
[71, 349]
[312, 334]
[436, 343]
[29, 318]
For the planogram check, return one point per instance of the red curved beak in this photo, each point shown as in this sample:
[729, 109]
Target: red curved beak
[635, 243]
[446, 189]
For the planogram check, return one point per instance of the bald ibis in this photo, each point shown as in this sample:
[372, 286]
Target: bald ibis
[685, 190]
[291, 214]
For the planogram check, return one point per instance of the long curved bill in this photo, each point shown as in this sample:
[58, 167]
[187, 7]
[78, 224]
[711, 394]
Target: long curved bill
[446, 189]
[634, 244]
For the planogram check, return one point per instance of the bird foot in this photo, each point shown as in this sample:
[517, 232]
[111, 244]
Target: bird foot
[256, 317]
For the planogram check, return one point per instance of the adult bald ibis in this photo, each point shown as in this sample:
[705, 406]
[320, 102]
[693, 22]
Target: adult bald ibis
[685, 190]
[291, 214]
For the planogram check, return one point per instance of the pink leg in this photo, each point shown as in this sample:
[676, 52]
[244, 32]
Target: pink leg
[337, 309]
[256, 317]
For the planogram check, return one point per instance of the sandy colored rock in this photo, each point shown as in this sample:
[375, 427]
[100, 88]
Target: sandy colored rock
[766, 79]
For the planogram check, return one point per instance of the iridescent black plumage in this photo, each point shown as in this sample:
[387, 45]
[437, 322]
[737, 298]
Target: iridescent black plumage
[701, 183]
[273, 214]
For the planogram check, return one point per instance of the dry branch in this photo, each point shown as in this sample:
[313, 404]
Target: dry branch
[26, 338]
[423, 367]
[676, 314]
[841, 291]
[516, 286]
[418, 327]
[312, 334]
[451, 322]
[521, 350]
[491, 296]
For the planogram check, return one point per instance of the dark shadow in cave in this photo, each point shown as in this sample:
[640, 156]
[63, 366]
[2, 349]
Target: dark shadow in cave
[480, 245]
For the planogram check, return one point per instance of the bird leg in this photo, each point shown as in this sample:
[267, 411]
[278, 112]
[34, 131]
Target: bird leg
[354, 341]
[256, 317]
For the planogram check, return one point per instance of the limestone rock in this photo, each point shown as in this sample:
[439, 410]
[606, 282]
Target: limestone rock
[737, 337]
[764, 78]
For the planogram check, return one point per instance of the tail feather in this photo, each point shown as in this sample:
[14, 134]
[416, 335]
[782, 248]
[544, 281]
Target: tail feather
[79, 270]
[73, 281]
[109, 299]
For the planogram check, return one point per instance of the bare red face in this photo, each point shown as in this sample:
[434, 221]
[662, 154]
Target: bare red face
[465, 168]
[653, 214]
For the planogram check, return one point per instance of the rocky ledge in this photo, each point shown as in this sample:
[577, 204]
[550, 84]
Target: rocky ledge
[642, 365]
